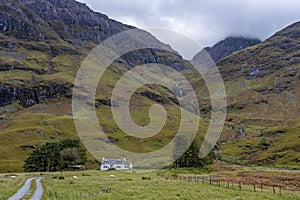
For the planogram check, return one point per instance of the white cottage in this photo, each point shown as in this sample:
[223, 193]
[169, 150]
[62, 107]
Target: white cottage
[115, 164]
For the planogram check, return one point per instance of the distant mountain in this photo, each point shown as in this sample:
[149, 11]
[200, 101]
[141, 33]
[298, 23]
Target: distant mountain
[224, 48]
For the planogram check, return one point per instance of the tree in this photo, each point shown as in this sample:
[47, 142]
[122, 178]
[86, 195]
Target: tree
[190, 158]
[55, 156]
[181, 142]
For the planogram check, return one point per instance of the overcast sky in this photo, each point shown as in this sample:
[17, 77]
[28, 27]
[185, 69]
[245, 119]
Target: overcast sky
[205, 21]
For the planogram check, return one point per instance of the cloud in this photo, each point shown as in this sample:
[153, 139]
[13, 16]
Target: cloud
[205, 21]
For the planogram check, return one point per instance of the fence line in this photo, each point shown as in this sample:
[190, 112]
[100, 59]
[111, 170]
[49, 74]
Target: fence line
[216, 181]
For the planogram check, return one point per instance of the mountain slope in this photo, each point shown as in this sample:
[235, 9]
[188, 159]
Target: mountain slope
[42, 45]
[263, 108]
[46, 40]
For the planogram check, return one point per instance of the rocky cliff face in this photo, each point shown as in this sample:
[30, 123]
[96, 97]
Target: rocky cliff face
[225, 47]
[28, 96]
[46, 20]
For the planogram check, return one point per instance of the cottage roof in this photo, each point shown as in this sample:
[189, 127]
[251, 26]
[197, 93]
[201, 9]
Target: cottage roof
[113, 161]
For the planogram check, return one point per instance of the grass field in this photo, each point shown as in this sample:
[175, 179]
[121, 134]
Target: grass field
[135, 185]
[8, 186]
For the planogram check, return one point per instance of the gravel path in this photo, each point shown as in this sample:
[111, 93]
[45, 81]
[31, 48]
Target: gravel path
[38, 193]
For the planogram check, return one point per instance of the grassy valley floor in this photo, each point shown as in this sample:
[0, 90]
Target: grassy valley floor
[137, 185]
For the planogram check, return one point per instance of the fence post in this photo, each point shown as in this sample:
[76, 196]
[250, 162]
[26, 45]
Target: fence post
[227, 184]
[273, 189]
[240, 187]
[279, 190]
[210, 180]
[254, 188]
[261, 187]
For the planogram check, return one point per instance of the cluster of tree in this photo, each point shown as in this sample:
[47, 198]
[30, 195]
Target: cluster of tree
[55, 156]
[190, 158]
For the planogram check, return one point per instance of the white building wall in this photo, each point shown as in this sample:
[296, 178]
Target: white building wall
[104, 166]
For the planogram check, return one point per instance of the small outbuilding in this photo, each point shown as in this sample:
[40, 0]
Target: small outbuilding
[78, 167]
[115, 164]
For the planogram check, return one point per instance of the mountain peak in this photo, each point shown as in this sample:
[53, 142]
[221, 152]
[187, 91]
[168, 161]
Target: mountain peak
[226, 47]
